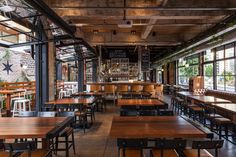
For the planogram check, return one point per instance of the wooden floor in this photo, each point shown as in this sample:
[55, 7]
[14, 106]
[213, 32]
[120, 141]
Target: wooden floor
[96, 143]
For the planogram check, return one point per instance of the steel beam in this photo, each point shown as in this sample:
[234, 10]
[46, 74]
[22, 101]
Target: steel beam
[148, 8]
[50, 14]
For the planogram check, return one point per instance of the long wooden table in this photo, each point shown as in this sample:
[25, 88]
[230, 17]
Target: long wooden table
[135, 94]
[155, 127]
[71, 101]
[95, 94]
[140, 102]
[207, 99]
[31, 127]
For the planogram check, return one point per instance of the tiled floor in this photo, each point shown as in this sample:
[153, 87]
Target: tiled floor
[96, 142]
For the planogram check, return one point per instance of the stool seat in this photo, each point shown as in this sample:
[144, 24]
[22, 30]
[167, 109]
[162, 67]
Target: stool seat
[212, 116]
[131, 153]
[166, 152]
[196, 108]
[22, 100]
[194, 153]
[223, 120]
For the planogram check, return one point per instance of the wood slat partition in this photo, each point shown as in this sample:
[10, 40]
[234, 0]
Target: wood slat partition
[18, 85]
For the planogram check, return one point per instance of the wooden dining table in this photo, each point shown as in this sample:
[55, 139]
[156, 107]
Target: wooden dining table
[135, 94]
[31, 127]
[206, 99]
[71, 101]
[140, 102]
[155, 127]
[85, 94]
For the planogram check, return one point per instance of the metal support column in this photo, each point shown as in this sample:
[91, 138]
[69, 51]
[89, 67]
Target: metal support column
[41, 69]
[59, 71]
[94, 70]
[80, 75]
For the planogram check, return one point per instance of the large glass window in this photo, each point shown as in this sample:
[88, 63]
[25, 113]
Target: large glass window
[187, 67]
[208, 75]
[224, 70]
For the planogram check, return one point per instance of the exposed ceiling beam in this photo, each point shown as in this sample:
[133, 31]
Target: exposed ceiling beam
[147, 30]
[146, 8]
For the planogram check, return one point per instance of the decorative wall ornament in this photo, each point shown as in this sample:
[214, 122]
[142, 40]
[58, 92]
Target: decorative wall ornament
[7, 67]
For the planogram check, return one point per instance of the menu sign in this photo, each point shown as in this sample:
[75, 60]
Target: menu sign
[117, 54]
[145, 60]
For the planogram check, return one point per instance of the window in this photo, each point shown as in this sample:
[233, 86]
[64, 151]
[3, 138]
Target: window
[219, 71]
[208, 56]
[226, 75]
[208, 75]
[187, 67]
[159, 74]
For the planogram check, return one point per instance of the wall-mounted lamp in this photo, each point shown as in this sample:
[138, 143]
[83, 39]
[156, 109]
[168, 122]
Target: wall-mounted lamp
[95, 31]
[133, 32]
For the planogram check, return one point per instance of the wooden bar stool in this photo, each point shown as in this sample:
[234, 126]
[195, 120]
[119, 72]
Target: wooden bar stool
[223, 123]
[20, 106]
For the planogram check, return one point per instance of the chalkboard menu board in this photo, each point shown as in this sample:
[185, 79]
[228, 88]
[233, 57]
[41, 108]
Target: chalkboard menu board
[145, 60]
[117, 54]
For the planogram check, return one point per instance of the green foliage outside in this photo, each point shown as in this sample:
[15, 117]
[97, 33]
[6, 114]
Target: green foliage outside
[208, 69]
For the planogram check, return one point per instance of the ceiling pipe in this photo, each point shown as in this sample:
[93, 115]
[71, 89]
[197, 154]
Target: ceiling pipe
[152, 8]
[50, 14]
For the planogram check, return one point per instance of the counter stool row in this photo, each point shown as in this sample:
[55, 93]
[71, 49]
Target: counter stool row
[167, 148]
[203, 113]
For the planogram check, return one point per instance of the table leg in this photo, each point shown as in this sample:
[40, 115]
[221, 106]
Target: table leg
[45, 144]
[8, 105]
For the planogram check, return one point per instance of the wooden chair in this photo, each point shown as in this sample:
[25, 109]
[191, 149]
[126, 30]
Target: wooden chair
[159, 90]
[121, 88]
[95, 88]
[199, 148]
[25, 149]
[136, 88]
[110, 92]
[81, 116]
[168, 148]
[66, 133]
[131, 147]
[149, 88]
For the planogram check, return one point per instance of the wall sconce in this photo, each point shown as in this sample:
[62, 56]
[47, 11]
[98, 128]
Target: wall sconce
[95, 31]
[133, 32]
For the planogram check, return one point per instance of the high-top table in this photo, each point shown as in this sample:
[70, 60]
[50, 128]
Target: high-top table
[155, 127]
[31, 127]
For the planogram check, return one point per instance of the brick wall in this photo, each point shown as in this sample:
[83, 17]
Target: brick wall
[16, 61]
